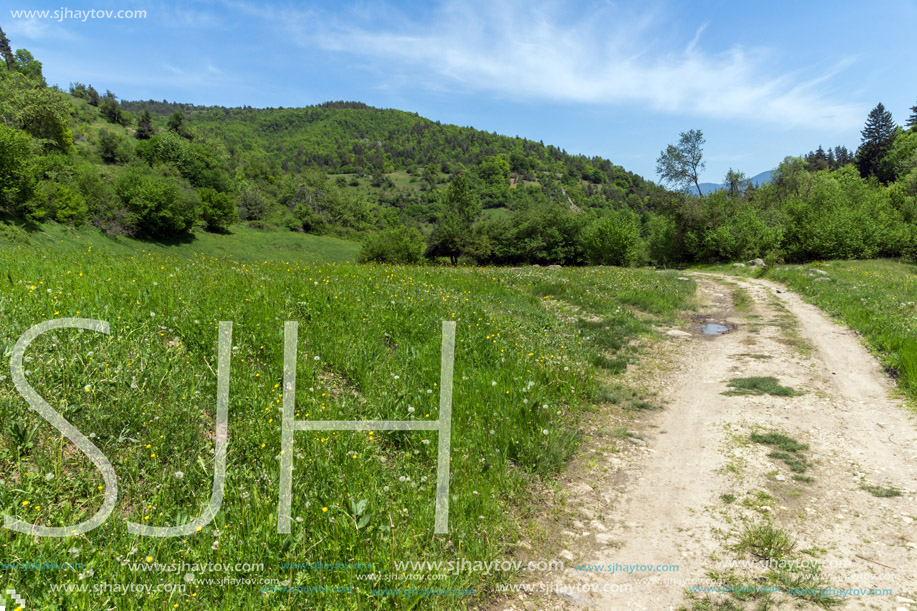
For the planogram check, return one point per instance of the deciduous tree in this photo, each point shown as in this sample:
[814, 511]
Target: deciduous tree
[681, 164]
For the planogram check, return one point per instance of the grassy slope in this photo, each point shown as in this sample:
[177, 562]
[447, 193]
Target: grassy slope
[369, 348]
[242, 244]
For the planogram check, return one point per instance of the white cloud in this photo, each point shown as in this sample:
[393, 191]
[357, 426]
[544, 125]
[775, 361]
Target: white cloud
[35, 30]
[607, 57]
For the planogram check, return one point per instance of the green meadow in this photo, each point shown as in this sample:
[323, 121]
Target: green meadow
[535, 349]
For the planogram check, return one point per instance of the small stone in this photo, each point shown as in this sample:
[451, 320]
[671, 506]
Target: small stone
[604, 538]
[780, 478]
[636, 441]
[566, 555]
[677, 333]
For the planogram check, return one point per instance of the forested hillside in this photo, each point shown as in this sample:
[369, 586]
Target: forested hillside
[411, 189]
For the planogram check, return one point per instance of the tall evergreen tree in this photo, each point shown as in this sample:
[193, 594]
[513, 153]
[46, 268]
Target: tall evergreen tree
[7, 52]
[144, 125]
[878, 135]
[912, 120]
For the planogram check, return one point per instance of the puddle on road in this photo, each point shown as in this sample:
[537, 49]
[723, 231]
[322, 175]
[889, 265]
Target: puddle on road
[713, 328]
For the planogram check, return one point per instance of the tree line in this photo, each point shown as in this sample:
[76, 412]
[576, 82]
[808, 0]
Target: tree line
[413, 189]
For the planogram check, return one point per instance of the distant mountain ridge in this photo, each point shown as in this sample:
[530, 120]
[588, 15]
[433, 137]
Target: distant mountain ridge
[758, 179]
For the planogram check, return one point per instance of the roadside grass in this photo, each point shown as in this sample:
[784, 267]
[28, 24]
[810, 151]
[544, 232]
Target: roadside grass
[878, 299]
[881, 492]
[758, 385]
[787, 450]
[765, 541]
[369, 348]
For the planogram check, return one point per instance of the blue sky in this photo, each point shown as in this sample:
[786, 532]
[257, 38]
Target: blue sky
[615, 79]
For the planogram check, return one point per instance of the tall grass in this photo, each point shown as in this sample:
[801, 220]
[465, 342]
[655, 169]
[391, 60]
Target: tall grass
[369, 348]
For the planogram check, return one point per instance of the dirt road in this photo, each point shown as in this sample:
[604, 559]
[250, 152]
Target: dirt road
[680, 492]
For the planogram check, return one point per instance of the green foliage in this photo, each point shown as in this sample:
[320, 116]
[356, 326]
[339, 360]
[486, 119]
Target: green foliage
[145, 129]
[664, 245]
[17, 177]
[177, 125]
[7, 52]
[40, 111]
[114, 148]
[542, 233]
[157, 206]
[61, 203]
[681, 164]
[901, 157]
[218, 210]
[457, 234]
[878, 135]
[400, 245]
[111, 110]
[29, 67]
[614, 239]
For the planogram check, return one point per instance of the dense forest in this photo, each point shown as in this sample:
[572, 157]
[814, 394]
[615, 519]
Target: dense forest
[412, 189]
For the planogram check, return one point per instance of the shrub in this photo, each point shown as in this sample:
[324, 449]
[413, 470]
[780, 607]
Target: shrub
[157, 206]
[17, 177]
[402, 245]
[614, 239]
[113, 148]
[217, 209]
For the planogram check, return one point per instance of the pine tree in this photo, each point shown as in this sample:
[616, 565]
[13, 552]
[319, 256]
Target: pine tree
[144, 126]
[878, 135]
[7, 52]
[912, 120]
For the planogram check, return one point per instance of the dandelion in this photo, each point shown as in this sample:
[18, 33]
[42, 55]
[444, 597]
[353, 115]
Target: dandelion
[410, 409]
[86, 388]
[493, 383]
[49, 477]
[149, 559]
[179, 475]
[324, 510]
[544, 431]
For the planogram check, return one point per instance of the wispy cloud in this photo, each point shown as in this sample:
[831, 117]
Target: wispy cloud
[38, 30]
[525, 50]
